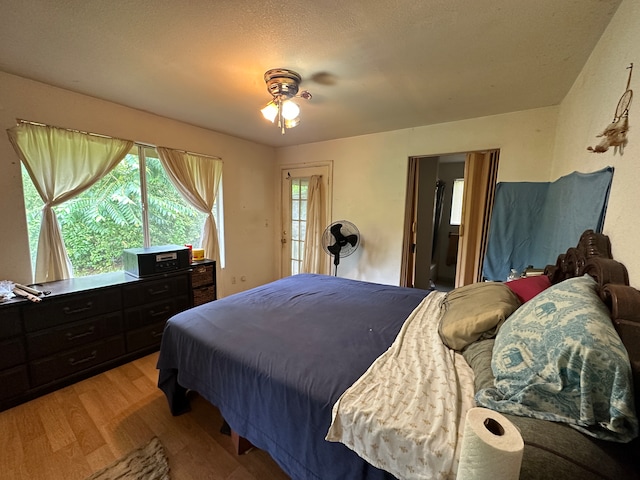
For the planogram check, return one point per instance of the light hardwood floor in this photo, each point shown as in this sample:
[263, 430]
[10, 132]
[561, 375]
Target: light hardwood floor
[75, 431]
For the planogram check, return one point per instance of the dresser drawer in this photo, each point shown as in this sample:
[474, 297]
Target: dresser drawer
[13, 382]
[71, 335]
[10, 324]
[56, 311]
[147, 337]
[155, 290]
[151, 313]
[203, 295]
[73, 361]
[202, 275]
[13, 353]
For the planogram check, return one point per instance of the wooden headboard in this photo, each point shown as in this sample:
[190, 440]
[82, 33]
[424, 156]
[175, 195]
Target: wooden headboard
[593, 256]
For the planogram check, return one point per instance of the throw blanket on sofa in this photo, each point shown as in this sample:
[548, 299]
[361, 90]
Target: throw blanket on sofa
[405, 415]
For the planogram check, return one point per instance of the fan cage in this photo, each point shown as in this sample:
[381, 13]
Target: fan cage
[343, 244]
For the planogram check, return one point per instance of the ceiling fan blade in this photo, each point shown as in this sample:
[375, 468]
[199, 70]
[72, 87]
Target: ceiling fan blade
[324, 78]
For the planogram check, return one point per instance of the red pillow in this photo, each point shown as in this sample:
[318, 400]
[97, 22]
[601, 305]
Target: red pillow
[528, 287]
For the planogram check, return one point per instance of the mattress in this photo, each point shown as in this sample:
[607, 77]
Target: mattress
[275, 359]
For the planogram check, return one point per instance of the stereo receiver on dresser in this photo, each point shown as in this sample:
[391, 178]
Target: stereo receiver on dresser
[143, 262]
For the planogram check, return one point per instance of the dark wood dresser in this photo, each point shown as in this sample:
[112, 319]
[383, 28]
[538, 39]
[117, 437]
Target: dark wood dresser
[87, 325]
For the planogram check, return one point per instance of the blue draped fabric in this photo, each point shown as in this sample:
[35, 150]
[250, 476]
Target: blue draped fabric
[533, 222]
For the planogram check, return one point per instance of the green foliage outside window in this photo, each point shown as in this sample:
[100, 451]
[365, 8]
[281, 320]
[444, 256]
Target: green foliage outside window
[101, 222]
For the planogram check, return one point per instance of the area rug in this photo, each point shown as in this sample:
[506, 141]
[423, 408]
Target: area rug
[146, 463]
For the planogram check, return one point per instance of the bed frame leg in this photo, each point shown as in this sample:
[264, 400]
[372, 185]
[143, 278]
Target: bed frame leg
[240, 444]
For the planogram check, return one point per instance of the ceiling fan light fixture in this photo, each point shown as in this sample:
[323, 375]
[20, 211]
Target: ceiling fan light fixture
[290, 111]
[283, 85]
[270, 111]
[291, 123]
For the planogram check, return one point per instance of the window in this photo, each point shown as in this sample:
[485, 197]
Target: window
[299, 189]
[134, 205]
[456, 201]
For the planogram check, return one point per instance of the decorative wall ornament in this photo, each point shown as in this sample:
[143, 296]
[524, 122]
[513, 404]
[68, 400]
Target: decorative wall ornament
[615, 134]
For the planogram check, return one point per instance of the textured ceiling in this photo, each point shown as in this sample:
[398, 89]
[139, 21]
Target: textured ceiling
[371, 65]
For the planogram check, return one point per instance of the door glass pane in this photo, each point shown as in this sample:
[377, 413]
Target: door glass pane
[299, 189]
[295, 208]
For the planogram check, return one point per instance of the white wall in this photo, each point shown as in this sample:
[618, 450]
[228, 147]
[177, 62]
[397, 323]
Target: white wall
[587, 109]
[248, 169]
[370, 175]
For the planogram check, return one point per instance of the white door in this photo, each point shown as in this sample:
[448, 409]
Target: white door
[294, 184]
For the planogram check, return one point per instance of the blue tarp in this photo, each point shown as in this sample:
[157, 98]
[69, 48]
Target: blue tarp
[533, 222]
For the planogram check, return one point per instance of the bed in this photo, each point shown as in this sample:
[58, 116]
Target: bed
[289, 365]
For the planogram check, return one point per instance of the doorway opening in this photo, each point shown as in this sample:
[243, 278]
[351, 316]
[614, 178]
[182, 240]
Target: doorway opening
[444, 245]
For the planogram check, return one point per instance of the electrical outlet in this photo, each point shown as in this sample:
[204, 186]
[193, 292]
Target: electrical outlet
[233, 280]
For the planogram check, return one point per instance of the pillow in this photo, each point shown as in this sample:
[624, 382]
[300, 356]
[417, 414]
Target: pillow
[475, 311]
[528, 287]
[478, 357]
[559, 358]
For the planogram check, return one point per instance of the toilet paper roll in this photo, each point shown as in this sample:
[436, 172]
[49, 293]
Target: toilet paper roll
[491, 447]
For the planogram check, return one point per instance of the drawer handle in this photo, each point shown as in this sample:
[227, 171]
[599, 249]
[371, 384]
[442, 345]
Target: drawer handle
[90, 331]
[165, 289]
[201, 270]
[73, 362]
[155, 334]
[69, 311]
[153, 313]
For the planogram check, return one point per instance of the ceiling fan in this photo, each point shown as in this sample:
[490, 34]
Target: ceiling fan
[283, 85]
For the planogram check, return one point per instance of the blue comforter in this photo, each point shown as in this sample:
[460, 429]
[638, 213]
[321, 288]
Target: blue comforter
[275, 359]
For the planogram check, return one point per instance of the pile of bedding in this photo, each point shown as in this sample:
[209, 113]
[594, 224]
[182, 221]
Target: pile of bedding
[403, 415]
[546, 356]
[560, 358]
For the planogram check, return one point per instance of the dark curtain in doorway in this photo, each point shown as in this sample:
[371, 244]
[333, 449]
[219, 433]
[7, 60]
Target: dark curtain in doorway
[437, 215]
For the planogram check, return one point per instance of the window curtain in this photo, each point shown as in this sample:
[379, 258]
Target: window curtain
[197, 178]
[62, 164]
[314, 260]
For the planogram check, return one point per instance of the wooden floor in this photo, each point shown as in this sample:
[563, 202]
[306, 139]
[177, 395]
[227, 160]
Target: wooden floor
[71, 433]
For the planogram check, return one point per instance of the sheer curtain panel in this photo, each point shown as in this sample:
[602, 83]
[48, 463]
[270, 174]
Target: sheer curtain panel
[62, 164]
[314, 260]
[197, 178]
